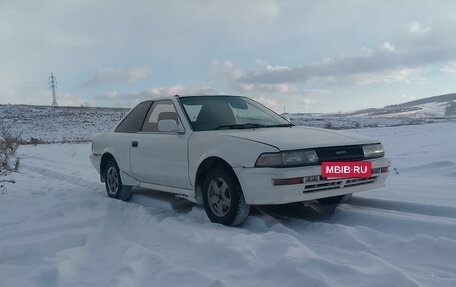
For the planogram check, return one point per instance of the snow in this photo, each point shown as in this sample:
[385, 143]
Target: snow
[352, 122]
[342, 122]
[428, 110]
[59, 228]
[58, 124]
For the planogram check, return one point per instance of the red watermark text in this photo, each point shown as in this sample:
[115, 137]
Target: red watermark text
[346, 169]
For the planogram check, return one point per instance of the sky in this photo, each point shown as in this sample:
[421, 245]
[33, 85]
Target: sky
[297, 56]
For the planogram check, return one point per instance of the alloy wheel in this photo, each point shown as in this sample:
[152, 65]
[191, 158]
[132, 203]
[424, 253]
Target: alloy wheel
[219, 197]
[112, 179]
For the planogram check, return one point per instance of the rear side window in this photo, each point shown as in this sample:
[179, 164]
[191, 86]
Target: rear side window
[161, 110]
[133, 121]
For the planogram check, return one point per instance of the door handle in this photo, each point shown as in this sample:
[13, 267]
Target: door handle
[134, 143]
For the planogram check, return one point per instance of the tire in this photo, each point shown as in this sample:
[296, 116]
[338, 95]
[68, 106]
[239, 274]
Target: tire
[335, 200]
[113, 182]
[223, 199]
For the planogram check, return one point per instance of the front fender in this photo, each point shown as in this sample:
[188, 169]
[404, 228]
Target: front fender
[237, 152]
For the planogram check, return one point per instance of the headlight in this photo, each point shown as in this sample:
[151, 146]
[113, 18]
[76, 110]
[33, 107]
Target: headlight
[373, 150]
[300, 157]
[288, 158]
[269, 160]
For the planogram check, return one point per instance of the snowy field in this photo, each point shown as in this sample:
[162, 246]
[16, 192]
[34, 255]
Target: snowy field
[355, 122]
[61, 124]
[59, 228]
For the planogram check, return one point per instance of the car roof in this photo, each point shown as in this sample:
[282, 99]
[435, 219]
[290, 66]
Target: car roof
[179, 96]
[192, 96]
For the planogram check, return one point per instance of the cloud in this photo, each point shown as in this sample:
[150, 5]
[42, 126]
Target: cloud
[450, 67]
[375, 66]
[134, 97]
[118, 76]
[276, 96]
[388, 47]
[416, 27]
[227, 69]
[233, 74]
[269, 67]
[301, 101]
[399, 75]
[262, 88]
[418, 47]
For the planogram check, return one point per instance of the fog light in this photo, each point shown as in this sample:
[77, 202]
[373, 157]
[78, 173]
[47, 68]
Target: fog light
[287, 181]
[311, 178]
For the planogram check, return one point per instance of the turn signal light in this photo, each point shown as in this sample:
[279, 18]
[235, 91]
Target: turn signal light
[384, 169]
[287, 181]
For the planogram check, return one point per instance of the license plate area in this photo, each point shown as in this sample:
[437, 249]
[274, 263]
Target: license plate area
[346, 169]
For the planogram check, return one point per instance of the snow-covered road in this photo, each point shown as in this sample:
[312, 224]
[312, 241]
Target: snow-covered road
[58, 228]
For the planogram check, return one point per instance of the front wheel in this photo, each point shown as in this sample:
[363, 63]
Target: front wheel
[113, 182]
[223, 198]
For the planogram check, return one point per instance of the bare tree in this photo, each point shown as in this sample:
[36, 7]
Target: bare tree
[9, 144]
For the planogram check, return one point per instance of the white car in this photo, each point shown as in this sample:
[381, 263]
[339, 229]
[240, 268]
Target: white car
[228, 153]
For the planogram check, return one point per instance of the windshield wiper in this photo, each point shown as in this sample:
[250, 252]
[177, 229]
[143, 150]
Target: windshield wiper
[251, 125]
[241, 126]
[280, 125]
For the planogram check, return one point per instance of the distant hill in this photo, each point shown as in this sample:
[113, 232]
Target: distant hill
[443, 106]
[422, 111]
[58, 124]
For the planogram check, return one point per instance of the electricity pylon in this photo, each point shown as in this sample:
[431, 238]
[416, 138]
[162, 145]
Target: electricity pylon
[53, 86]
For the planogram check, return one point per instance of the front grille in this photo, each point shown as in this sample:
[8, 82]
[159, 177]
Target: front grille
[340, 153]
[325, 184]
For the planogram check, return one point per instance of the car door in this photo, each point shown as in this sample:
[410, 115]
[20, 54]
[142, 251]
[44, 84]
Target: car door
[120, 140]
[161, 157]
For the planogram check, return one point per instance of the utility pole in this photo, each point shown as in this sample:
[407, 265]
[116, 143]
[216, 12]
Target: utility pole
[53, 86]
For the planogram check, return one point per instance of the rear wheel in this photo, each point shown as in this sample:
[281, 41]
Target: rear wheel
[223, 198]
[334, 200]
[113, 182]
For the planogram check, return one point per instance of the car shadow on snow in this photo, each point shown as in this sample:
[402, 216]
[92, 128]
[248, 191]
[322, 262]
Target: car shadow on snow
[154, 198]
[309, 211]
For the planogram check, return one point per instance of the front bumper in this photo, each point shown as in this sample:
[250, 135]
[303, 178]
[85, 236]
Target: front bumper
[258, 187]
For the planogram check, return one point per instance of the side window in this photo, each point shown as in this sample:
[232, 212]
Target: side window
[162, 110]
[132, 123]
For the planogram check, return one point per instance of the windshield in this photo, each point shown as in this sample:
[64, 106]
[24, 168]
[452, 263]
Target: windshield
[229, 112]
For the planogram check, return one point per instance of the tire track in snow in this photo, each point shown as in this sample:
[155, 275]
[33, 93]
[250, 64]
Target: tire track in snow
[414, 219]
[357, 243]
[30, 232]
[402, 206]
[395, 222]
[59, 162]
[75, 180]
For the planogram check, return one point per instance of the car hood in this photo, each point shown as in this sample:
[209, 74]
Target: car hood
[289, 138]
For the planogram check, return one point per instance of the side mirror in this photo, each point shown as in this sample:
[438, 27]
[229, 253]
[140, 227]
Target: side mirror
[169, 126]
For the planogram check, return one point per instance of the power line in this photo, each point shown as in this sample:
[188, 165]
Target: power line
[53, 85]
